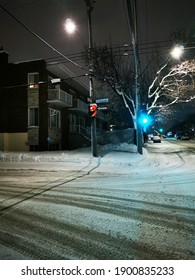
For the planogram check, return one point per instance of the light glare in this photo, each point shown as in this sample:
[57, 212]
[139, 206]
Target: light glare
[70, 26]
[177, 52]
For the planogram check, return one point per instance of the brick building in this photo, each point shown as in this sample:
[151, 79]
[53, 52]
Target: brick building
[41, 109]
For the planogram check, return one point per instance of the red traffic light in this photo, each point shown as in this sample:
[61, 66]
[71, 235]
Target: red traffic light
[93, 110]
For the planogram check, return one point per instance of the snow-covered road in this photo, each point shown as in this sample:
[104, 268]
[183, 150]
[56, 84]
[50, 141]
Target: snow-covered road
[119, 206]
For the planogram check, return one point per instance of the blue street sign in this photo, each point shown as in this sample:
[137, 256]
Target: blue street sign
[103, 100]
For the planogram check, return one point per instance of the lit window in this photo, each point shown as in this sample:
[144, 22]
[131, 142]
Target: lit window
[33, 116]
[54, 118]
[33, 80]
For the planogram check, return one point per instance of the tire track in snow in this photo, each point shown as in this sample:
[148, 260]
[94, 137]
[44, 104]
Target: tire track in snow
[42, 233]
[8, 204]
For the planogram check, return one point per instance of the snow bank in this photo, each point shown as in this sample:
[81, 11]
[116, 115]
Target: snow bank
[78, 155]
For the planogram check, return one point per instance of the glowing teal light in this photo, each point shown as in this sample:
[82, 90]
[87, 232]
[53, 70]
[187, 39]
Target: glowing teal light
[144, 120]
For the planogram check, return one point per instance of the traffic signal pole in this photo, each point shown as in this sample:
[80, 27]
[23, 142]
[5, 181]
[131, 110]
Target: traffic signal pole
[91, 84]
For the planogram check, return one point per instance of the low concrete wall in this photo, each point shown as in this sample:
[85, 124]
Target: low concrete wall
[121, 136]
[116, 137]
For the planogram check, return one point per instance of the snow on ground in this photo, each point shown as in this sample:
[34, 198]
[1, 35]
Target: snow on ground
[111, 158]
[157, 188]
[78, 155]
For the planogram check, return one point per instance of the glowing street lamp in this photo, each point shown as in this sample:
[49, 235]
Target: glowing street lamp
[177, 51]
[70, 26]
[145, 120]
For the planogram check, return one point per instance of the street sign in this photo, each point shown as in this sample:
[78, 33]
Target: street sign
[103, 100]
[102, 108]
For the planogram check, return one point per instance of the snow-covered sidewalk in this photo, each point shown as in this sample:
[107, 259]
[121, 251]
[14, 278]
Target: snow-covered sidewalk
[111, 158]
[108, 153]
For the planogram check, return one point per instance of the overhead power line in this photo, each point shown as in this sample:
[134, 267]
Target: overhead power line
[117, 51]
[41, 39]
[144, 48]
[44, 82]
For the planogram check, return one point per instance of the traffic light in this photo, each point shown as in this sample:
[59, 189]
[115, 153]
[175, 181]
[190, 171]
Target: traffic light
[92, 110]
[144, 120]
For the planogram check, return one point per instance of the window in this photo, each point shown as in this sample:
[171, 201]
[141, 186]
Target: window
[54, 118]
[33, 116]
[73, 119]
[33, 80]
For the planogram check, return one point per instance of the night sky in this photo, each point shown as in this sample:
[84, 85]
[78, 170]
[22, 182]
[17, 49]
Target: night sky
[157, 19]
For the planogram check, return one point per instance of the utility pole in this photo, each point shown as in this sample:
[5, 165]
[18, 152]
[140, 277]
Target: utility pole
[132, 16]
[89, 6]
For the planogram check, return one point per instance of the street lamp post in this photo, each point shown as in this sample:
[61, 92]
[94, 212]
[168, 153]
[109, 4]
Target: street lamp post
[71, 28]
[91, 84]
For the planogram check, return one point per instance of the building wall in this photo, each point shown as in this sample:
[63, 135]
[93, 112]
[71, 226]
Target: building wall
[33, 97]
[17, 98]
[1, 141]
[54, 138]
[43, 115]
[33, 136]
[14, 142]
[33, 132]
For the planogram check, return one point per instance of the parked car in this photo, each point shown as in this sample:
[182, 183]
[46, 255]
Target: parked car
[156, 139]
[185, 137]
[150, 137]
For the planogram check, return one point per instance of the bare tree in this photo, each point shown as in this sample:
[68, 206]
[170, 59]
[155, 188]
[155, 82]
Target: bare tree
[113, 69]
[172, 85]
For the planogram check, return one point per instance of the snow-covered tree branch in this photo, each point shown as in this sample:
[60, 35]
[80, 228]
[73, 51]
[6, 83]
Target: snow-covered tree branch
[113, 69]
[172, 85]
